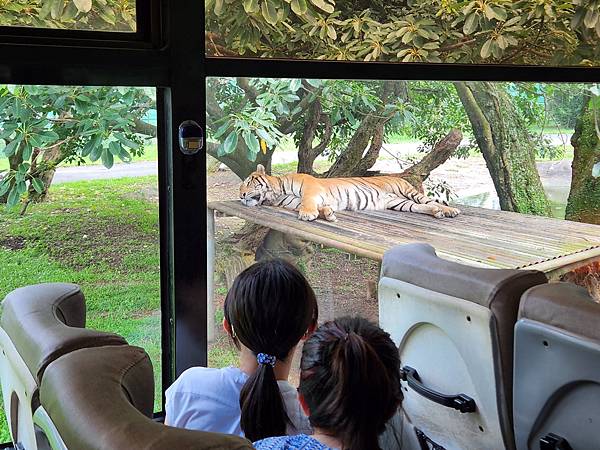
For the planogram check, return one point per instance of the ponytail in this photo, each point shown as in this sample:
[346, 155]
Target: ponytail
[270, 307]
[263, 410]
[351, 381]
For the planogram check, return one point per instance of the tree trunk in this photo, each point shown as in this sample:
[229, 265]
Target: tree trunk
[584, 198]
[363, 148]
[442, 150]
[506, 146]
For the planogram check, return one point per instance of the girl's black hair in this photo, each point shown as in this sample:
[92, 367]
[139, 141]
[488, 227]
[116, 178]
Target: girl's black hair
[350, 381]
[269, 307]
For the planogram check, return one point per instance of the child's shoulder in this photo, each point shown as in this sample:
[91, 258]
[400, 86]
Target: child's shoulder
[209, 379]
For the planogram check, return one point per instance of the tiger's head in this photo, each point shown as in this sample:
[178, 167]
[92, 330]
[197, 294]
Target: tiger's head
[258, 188]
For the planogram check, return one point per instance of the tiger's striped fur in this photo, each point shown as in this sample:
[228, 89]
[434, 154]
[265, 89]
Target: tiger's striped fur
[322, 197]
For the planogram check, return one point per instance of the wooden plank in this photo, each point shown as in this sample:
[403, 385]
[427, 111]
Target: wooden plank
[479, 237]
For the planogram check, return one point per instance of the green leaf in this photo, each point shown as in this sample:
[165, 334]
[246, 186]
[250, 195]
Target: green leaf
[269, 11]
[11, 147]
[45, 9]
[251, 6]
[4, 186]
[230, 143]
[83, 6]
[56, 9]
[221, 131]
[128, 142]
[96, 152]
[500, 13]
[295, 84]
[27, 151]
[23, 168]
[218, 7]
[21, 187]
[324, 5]
[115, 148]
[299, 7]
[471, 23]
[107, 158]
[124, 155]
[331, 32]
[252, 144]
[13, 197]
[38, 185]
[486, 49]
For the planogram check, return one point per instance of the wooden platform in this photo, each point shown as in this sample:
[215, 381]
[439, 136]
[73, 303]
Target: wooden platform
[478, 237]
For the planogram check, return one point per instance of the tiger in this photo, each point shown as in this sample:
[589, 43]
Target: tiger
[316, 198]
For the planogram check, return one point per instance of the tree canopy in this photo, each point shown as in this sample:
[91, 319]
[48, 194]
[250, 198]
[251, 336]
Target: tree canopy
[98, 15]
[42, 126]
[552, 32]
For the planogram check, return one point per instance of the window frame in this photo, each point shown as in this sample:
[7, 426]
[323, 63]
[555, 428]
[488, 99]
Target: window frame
[92, 58]
[167, 52]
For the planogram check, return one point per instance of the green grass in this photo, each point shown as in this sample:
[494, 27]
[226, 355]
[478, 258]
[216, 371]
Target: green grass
[102, 235]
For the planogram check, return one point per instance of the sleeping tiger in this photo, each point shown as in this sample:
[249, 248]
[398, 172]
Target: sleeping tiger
[322, 197]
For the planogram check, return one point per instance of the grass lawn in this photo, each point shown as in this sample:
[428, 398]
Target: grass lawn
[102, 235]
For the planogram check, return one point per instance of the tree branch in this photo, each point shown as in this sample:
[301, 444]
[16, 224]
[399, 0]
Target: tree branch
[440, 153]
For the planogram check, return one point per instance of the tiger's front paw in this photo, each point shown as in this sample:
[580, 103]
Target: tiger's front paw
[307, 215]
[451, 212]
[328, 214]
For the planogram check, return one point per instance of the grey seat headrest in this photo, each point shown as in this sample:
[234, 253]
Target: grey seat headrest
[565, 306]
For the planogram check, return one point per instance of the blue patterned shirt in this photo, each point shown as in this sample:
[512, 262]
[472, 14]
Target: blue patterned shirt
[298, 442]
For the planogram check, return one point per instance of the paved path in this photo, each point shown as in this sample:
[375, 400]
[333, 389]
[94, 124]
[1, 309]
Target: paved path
[99, 172]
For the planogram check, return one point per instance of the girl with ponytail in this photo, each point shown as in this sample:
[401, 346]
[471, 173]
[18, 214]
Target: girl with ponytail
[349, 387]
[268, 310]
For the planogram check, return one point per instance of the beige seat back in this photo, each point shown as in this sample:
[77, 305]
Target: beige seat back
[454, 328]
[102, 398]
[39, 324]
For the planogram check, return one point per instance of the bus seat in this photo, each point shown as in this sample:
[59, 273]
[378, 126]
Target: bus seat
[102, 399]
[39, 324]
[454, 326]
[557, 369]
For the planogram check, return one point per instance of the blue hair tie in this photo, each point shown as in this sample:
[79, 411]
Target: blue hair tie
[264, 359]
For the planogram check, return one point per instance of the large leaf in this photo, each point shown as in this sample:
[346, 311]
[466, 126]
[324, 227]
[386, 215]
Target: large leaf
[13, 197]
[299, 7]
[486, 49]
[251, 6]
[471, 23]
[107, 158]
[83, 6]
[269, 12]
[252, 144]
[21, 187]
[56, 9]
[295, 84]
[11, 147]
[230, 143]
[115, 148]
[324, 5]
[4, 186]
[96, 152]
[38, 185]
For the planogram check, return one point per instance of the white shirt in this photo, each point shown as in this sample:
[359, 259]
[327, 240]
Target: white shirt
[208, 399]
